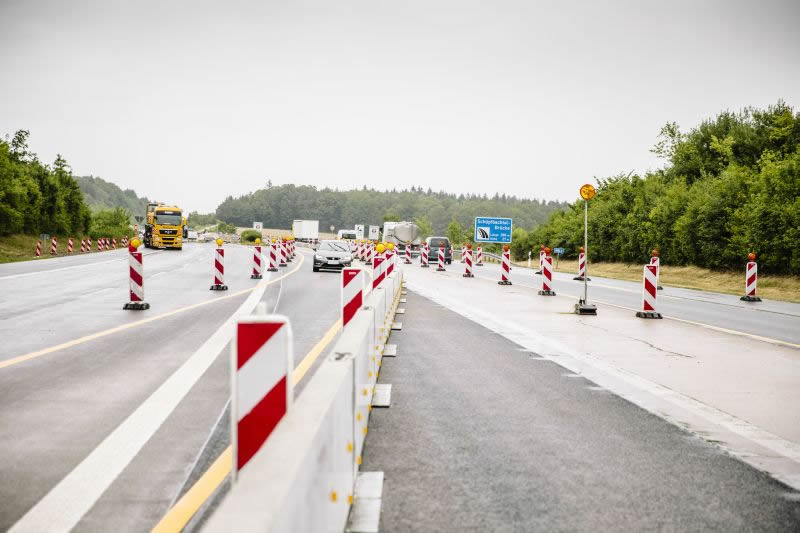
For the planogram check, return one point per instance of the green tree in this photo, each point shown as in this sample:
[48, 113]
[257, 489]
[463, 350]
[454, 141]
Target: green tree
[455, 232]
[425, 227]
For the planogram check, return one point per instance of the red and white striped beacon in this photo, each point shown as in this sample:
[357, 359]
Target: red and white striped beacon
[750, 280]
[505, 267]
[656, 260]
[282, 256]
[407, 260]
[547, 274]
[258, 266]
[440, 267]
[54, 246]
[261, 367]
[581, 266]
[38, 248]
[136, 275]
[468, 263]
[479, 259]
[352, 293]
[69, 245]
[649, 293]
[423, 255]
[378, 271]
[219, 268]
[273, 256]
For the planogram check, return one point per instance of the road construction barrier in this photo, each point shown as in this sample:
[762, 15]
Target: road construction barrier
[390, 260]
[69, 246]
[219, 269]
[136, 281]
[352, 293]
[750, 280]
[506, 267]
[89, 244]
[479, 259]
[440, 267]
[581, 266]
[54, 246]
[547, 275]
[423, 256]
[273, 257]
[408, 254]
[649, 293]
[282, 247]
[113, 243]
[257, 265]
[83, 246]
[262, 362]
[468, 263]
[303, 478]
[125, 241]
[38, 248]
[656, 261]
[378, 270]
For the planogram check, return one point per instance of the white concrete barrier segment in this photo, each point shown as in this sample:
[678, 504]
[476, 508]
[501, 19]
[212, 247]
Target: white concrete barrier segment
[303, 477]
[261, 360]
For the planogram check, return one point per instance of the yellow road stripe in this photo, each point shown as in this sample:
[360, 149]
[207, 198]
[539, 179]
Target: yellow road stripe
[183, 511]
[187, 506]
[130, 325]
[312, 355]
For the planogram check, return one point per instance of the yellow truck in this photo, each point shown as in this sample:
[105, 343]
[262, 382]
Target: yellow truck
[165, 226]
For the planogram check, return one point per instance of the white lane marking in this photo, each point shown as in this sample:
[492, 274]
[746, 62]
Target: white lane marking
[73, 267]
[676, 319]
[662, 401]
[66, 503]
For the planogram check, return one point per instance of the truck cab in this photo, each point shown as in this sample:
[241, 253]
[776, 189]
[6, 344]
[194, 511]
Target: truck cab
[165, 228]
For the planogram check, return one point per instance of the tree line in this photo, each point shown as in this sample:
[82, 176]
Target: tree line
[730, 186]
[39, 198]
[278, 206]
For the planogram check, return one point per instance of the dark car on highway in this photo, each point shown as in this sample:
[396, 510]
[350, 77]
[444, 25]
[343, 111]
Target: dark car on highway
[433, 249]
[332, 254]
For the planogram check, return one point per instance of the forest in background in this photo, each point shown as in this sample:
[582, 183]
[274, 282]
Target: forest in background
[730, 186]
[278, 206]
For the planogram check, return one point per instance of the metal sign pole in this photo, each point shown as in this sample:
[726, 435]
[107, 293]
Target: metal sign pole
[583, 307]
[586, 247]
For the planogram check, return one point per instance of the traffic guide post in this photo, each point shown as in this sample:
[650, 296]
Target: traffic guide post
[583, 307]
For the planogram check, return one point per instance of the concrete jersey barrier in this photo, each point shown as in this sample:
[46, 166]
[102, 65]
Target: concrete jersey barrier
[303, 478]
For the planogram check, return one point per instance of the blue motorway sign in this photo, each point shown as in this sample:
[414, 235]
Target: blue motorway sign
[558, 251]
[493, 229]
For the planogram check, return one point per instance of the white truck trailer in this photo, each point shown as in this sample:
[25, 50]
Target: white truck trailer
[305, 230]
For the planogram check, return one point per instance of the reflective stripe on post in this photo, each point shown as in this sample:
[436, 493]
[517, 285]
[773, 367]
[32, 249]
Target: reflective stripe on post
[261, 363]
[377, 270]
[547, 276]
[649, 293]
[352, 293]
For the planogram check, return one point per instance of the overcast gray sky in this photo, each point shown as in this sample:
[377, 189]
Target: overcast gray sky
[189, 102]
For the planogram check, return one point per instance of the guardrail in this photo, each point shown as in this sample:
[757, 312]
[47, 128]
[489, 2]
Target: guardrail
[303, 477]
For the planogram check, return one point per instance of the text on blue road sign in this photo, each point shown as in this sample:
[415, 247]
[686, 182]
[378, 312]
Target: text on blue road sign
[493, 229]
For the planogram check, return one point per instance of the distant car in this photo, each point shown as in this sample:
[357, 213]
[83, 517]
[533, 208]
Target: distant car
[433, 249]
[191, 236]
[332, 254]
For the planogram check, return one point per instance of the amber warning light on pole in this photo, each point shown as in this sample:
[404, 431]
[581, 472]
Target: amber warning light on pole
[583, 307]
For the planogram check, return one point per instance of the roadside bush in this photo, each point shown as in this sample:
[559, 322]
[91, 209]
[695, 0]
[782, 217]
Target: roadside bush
[250, 235]
[110, 223]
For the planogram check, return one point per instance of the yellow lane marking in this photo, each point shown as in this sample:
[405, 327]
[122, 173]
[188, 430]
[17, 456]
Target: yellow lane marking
[130, 325]
[190, 502]
[183, 511]
[312, 355]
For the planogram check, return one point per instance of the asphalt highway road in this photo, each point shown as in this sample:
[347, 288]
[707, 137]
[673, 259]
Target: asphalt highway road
[75, 368]
[770, 319]
[483, 435]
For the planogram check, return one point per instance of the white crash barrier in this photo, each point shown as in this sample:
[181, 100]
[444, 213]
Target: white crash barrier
[303, 478]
